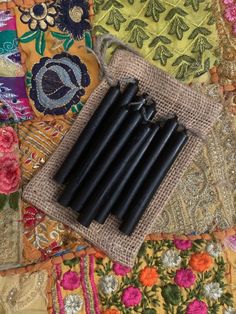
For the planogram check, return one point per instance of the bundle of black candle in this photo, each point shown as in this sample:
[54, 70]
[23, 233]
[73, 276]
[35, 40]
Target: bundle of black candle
[120, 159]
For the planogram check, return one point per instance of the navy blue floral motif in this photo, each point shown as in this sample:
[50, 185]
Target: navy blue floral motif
[58, 83]
[73, 17]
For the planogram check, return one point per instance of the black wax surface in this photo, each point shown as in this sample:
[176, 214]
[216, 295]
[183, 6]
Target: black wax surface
[99, 117]
[123, 172]
[101, 140]
[139, 175]
[130, 125]
[151, 183]
[99, 196]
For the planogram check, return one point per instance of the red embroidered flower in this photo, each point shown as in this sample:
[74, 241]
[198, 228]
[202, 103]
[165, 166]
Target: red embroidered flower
[121, 270]
[182, 244]
[131, 296]
[70, 280]
[32, 216]
[9, 174]
[184, 278]
[8, 139]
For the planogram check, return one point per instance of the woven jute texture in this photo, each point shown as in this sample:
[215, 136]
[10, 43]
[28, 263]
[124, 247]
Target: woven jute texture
[194, 110]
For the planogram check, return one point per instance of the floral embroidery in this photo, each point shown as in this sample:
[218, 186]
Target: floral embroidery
[160, 287]
[40, 16]
[9, 174]
[184, 278]
[58, 83]
[148, 276]
[32, 217]
[213, 291]
[131, 296]
[121, 270]
[214, 249]
[8, 139]
[171, 294]
[197, 307]
[108, 284]
[73, 17]
[200, 261]
[182, 244]
[70, 280]
[171, 258]
[230, 13]
[73, 303]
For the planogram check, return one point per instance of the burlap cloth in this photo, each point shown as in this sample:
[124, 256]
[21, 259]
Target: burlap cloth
[194, 110]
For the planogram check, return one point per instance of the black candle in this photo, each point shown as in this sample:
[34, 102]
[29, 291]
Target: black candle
[110, 153]
[99, 144]
[117, 181]
[99, 116]
[99, 196]
[139, 175]
[152, 182]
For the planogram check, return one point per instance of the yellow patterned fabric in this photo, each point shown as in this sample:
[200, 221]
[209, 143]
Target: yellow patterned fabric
[178, 36]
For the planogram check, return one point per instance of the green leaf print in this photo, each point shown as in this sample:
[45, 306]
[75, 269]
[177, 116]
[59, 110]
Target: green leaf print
[178, 27]
[14, 200]
[159, 39]
[154, 8]
[40, 42]
[98, 29]
[131, 1]
[175, 11]
[112, 3]
[88, 40]
[65, 39]
[138, 36]
[115, 19]
[199, 30]
[201, 44]
[68, 43]
[28, 36]
[162, 54]
[136, 22]
[97, 4]
[184, 64]
[194, 4]
[3, 200]
[60, 36]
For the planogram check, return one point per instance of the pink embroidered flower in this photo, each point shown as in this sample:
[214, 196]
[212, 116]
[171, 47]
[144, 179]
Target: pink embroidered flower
[8, 139]
[9, 174]
[197, 307]
[230, 13]
[131, 296]
[182, 244]
[184, 278]
[228, 1]
[230, 243]
[120, 270]
[32, 216]
[70, 280]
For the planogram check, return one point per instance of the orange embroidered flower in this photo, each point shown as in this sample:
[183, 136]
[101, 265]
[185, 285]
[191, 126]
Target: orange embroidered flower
[111, 311]
[148, 276]
[100, 254]
[200, 261]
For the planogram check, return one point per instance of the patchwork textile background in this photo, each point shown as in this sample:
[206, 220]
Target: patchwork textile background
[47, 72]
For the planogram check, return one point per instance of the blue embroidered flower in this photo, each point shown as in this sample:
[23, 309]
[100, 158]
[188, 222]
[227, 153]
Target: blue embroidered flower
[73, 17]
[58, 83]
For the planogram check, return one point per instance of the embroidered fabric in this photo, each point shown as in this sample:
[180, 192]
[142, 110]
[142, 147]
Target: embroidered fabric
[177, 36]
[205, 198]
[24, 293]
[14, 103]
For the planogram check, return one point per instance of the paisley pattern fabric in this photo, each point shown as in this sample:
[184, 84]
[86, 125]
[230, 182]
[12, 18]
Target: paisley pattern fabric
[178, 36]
[14, 103]
[61, 72]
